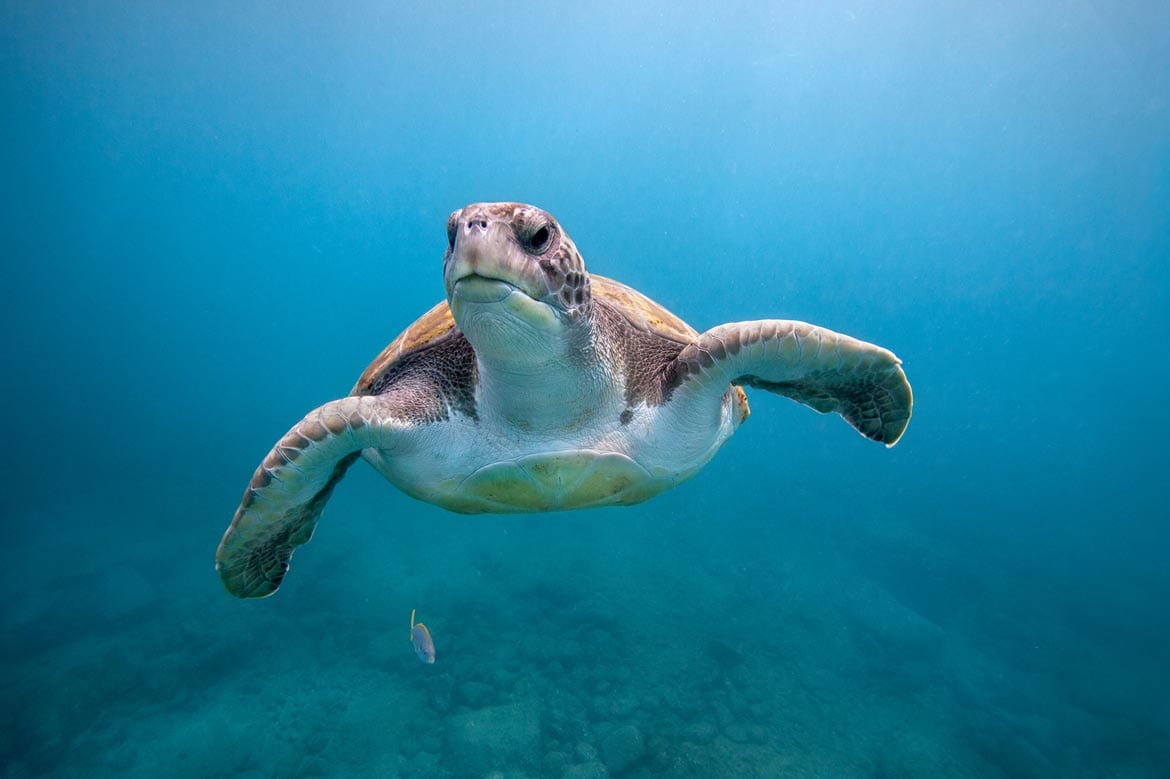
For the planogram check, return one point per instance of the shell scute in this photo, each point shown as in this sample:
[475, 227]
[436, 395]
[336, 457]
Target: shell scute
[430, 328]
[642, 312]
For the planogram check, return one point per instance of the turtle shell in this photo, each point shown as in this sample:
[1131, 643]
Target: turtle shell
[640, 311]
[430, 329]
[437, 325]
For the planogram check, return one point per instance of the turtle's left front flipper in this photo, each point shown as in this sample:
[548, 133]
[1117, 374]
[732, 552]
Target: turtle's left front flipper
[823, 370]
[289, 490]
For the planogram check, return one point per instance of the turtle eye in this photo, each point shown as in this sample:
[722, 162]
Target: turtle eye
[452, 231]
[538, 240]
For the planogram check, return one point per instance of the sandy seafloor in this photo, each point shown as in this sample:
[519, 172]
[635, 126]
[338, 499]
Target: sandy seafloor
[213, 215]
[635, 643]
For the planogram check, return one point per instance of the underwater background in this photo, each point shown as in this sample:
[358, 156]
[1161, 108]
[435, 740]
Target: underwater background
[216, 214]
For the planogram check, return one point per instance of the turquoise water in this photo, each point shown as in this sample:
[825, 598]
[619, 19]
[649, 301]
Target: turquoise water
[214, 216]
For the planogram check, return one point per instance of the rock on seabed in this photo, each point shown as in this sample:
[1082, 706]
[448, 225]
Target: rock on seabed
[494, 737]
[622, 748]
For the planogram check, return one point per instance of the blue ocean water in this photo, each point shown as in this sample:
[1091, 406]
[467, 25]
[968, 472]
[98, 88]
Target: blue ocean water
[215, 214]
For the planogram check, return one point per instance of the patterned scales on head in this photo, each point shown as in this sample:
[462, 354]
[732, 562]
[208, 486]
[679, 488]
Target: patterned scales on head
[538, 386]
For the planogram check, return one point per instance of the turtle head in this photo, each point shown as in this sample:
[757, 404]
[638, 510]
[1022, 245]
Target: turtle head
[515, 282]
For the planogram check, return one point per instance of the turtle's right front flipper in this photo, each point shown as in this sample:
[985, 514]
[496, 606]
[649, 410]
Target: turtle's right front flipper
[283, 502]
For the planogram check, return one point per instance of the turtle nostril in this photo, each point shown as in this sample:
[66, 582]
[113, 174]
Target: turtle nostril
[476, 223]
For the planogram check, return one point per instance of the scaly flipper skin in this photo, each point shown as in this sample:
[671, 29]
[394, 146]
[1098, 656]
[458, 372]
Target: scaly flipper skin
[824, 370]
[283, 502]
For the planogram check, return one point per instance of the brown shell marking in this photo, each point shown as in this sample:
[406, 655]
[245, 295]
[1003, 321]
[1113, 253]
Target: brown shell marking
[641, 311]
[430, 328]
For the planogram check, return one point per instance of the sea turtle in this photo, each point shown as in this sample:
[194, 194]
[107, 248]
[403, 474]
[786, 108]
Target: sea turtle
[537, 386]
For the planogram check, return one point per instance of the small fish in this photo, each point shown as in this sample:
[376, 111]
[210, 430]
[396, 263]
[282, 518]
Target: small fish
[420, 639]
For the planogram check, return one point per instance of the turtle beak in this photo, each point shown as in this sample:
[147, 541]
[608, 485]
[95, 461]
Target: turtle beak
[484, 262]
[493, 286]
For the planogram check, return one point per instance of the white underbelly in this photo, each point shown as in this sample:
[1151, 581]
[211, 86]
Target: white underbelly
[475, 477]
[461, 465]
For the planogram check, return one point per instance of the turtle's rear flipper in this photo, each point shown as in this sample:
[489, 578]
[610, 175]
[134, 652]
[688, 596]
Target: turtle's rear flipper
[283, 502]
[823, 370]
